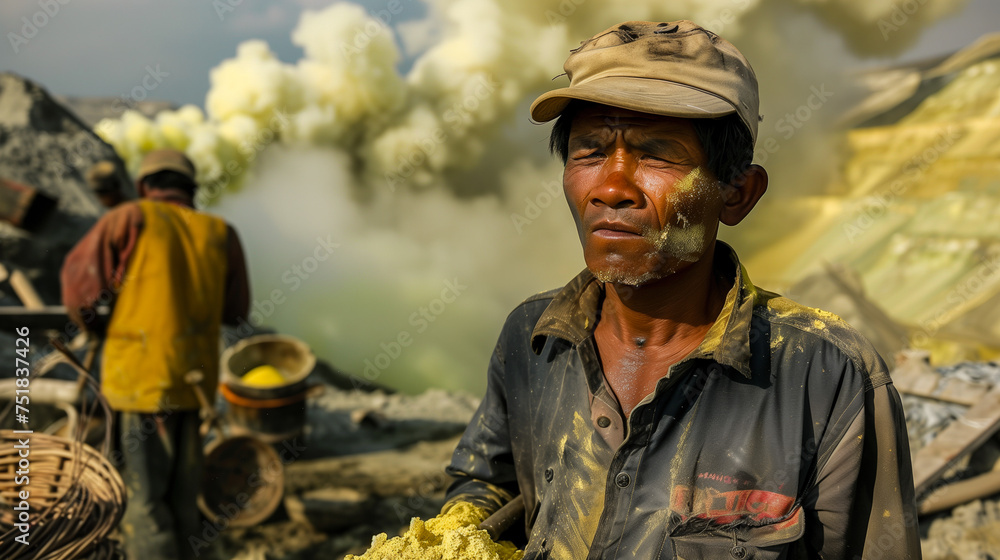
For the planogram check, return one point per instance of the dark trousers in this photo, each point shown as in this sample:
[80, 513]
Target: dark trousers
[161, 467]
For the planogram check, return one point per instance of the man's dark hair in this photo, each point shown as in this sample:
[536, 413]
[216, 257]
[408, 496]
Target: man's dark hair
[170, 180]
[726, 141]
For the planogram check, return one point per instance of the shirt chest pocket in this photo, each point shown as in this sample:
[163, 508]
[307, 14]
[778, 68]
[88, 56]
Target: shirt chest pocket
[698, 539]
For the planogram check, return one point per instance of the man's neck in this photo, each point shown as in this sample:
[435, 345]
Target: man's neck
[177, 196]
[673, 310]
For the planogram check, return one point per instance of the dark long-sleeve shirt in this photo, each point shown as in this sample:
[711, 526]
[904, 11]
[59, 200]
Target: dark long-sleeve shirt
[780, 436]
[93, 271]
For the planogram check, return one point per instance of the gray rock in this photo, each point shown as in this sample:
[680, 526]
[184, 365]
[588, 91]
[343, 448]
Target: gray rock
[385, 421]
[45, 146]
[330, 509]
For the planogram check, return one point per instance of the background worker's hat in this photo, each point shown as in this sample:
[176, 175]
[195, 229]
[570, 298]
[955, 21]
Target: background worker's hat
[676, 69]
[102, 178]
[165, 160]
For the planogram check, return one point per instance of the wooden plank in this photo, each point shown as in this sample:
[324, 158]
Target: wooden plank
[50, 317]
[916, 377]
[961, 492]
[932, 386]
[25, 290]
[22, 287]
[962, 392]
[960, 437]
[43, 391]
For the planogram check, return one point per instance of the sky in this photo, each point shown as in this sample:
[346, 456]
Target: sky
[107, 47]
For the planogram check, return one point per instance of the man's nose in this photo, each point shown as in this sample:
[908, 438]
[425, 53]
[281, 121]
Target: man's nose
[618, 189]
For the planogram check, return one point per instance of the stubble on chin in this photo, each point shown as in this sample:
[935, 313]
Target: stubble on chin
[677, 242]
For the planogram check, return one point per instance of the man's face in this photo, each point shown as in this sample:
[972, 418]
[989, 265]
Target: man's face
[644, 201]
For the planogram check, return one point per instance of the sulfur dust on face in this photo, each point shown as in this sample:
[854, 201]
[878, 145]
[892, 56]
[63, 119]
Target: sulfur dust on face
[644, 202]
[688, 228]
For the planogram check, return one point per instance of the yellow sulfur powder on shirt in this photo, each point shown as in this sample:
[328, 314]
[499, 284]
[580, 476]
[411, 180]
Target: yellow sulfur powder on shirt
[449, 536]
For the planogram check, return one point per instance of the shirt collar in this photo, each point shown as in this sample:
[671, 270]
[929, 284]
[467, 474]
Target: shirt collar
[573, 313]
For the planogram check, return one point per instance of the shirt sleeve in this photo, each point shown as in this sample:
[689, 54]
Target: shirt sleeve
[863, 505]
[483, 462]
[237, 302]
[93, 270]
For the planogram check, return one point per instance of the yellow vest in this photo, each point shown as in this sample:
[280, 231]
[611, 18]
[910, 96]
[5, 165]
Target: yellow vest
[166, 318]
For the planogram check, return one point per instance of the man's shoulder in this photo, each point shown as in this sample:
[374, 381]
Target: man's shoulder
[817, 328]
[532, 307]
[129, 207]
[121, 219]
[546, 296]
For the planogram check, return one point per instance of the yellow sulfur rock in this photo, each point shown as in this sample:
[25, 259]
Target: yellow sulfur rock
[263, 376]
[449, 536]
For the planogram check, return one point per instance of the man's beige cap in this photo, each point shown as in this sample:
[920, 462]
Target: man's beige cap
[676, 69]
[101, 177]
[165, 160]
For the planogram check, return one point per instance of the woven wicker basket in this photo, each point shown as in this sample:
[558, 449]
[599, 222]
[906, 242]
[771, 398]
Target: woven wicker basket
[76, 499]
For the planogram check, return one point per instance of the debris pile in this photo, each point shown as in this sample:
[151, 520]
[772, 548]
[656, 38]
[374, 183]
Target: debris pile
[955, 452]
[367, 463]
[971, 532]
[927, 416]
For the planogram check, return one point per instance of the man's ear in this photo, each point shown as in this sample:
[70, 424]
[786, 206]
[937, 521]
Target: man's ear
[140, 189]
[742, 195]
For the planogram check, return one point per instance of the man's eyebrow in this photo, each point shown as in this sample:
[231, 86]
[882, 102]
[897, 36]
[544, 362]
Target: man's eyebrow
[659, 146]
[587, 141]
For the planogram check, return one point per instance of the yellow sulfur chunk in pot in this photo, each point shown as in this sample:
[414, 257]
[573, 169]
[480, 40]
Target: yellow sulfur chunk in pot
[449, 536]
[263, 376]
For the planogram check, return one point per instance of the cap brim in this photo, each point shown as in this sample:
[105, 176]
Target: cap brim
[166, 166]
[637, 94]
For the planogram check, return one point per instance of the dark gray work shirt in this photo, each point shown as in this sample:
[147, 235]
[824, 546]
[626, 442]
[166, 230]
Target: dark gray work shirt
[780, 436]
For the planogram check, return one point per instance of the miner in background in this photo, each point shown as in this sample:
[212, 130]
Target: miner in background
[104, 182]
[660, 405]
[172, 276]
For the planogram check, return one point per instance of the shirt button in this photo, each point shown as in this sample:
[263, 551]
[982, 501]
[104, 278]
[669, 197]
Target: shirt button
[548, 475]
[604, 421]
[622, 480]
[738, 552]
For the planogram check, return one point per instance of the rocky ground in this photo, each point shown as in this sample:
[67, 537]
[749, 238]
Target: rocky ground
[968, 532]
[369, 463]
